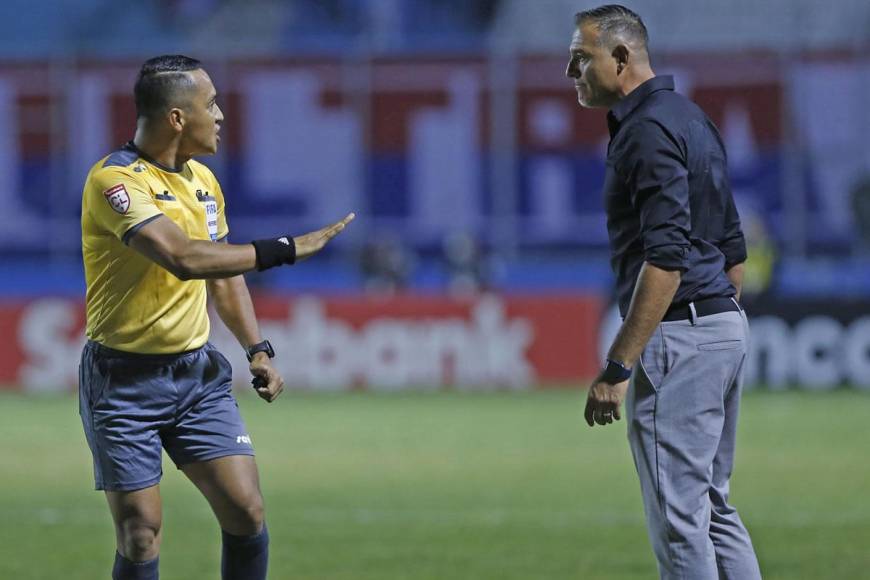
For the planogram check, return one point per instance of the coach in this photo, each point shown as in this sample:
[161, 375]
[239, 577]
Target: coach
[677, 250]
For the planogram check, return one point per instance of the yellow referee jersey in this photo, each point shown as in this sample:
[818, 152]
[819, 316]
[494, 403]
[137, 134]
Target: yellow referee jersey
[133, 304]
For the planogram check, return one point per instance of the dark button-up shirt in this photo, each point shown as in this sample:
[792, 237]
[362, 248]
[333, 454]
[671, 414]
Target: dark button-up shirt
[667, 195]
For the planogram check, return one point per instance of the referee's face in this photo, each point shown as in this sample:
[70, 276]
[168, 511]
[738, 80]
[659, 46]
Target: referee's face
[203, 117]
[593, 68]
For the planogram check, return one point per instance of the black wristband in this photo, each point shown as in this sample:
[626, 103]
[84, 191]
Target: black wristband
[614, 372]
[274, 252]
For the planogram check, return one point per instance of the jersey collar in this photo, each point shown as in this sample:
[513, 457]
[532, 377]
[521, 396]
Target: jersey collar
[132, 147]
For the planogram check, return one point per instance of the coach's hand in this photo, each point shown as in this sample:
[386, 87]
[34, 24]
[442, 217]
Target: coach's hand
[270, 383]
[309, 244]
[604, 401]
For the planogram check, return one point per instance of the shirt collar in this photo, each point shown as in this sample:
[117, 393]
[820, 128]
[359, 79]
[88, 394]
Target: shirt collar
[632, 100]
[130, 145]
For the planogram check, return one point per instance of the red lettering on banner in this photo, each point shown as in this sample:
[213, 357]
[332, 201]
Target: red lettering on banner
[339, 343]
[486, 342]
[46, 338]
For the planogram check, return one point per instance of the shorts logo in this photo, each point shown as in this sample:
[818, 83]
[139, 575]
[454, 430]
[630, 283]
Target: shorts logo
[243, 439]
[118, 198]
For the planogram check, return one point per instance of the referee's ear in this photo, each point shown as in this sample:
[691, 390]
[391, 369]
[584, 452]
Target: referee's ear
[176, 119]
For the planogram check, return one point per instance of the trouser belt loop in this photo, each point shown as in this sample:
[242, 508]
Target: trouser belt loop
[693, 314]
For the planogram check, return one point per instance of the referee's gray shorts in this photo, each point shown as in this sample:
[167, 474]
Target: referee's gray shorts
[134, 405]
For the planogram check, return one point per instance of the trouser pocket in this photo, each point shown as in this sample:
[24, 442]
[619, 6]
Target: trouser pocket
[653, 362]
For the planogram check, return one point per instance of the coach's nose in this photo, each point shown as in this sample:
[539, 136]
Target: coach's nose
[572, 71]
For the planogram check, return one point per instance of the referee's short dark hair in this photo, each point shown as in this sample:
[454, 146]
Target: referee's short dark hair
[615, 21]
[161, 81]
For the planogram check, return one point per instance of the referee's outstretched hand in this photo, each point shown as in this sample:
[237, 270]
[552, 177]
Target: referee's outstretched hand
[309, 244]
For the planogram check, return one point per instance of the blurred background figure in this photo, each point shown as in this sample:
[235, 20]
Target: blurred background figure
[761, 256]
[466, 264]
[861, 209]
[385, 264]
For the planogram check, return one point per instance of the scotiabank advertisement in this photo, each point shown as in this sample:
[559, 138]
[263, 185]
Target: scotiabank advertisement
[805, 343]
[489, 342]
[341, 343]
[816, 344]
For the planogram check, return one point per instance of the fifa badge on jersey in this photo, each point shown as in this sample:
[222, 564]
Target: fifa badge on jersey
[211, 219]
[118, 198]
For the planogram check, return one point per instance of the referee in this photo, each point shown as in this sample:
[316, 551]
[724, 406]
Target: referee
[154, 236]
[677, 250]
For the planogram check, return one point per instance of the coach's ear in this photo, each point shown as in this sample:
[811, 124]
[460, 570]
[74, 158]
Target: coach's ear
[620, 54]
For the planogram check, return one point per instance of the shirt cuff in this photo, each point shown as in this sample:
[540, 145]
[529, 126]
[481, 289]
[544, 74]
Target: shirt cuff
[135, 229]
[669, 257]
[734, 251]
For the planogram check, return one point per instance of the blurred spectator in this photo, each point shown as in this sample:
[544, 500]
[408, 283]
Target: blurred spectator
[386, 265]
[466, 264]
[860, 195]
[761, 259]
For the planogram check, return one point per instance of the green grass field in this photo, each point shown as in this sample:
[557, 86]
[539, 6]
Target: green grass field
[447, 486]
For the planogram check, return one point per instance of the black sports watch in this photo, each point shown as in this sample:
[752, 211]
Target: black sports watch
[614, 372]
[264, 346]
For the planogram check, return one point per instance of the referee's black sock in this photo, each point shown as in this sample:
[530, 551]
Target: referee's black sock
[245, 557]
[125, 569]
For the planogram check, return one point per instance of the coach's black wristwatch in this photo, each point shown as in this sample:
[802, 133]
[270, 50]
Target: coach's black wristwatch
[614, 372]
[264, 346]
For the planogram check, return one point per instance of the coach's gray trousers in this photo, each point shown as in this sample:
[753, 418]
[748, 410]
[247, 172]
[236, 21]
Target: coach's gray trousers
[682, 420]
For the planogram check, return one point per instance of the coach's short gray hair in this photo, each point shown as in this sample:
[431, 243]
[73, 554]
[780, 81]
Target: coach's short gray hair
[616, 22]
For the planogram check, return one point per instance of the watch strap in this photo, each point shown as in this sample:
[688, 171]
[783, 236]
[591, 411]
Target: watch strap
[264, 346]
[614, 372]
